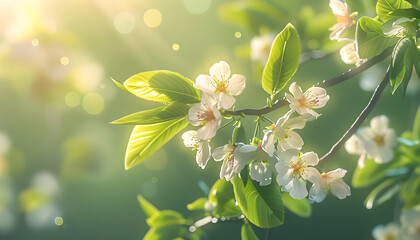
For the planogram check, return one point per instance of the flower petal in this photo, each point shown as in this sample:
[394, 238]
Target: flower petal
[268, 143]
[208, 131]
[220, 70]
[310, 158]
[219, 153]
[236, 84]
[290, 155]
[312, 175]
[337, 173]
[379, 124]
[298, 190]
[340, 189]
[295, 90]
[203, 83]
[317, 193]
[226, 101]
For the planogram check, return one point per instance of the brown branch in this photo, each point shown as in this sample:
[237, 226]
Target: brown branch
[359, 120]
[326, 83]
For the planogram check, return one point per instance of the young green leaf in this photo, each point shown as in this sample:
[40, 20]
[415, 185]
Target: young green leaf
[410, 191]
[147, 207]
[283, 61]
[166, 232]
[370, 40]
[402, 63]
[198, 204]
[382, 192]
[165, 218]
[146, 139]
[385, 7]
[263, 206]
[221, 195]
[416, 125]
[163, 86]
[120, 85]
[300, 207]
[247, 233]
[157, 115]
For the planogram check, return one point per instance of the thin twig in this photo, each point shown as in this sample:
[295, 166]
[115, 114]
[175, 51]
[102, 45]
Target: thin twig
[267, 234]
[326, 83]
[359, 120]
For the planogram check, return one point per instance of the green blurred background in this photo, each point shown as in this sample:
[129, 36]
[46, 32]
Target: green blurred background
[61, 161]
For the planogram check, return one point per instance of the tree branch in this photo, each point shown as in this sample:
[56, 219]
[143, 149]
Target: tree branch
[326, 83]
[359, 120]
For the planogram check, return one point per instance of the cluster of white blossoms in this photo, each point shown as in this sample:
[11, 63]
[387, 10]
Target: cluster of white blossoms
[374, 142]
[278, 153]
[407, 229]
[261, 46]
[345, 20]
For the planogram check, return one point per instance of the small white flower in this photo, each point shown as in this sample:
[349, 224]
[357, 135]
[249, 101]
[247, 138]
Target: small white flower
[229, 165]
[410, 224]
[282, 133]
[260, 47]
[203, 148]
[314, 97]
[332, 182]
[207, 115]
[349, 54]
[220, 86]
[356, 146]
[378, 139]
[262, 165]
[389, 232]
[344, 19]
[293, 170]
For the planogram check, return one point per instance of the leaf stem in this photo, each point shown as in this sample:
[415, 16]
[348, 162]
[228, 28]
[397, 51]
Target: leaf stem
[326, 83]
[359, 120]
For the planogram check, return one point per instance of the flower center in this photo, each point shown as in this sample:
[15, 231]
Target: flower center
[390, 237]
[220, 85]
[297, 170]
[379, 140]
[308, 102]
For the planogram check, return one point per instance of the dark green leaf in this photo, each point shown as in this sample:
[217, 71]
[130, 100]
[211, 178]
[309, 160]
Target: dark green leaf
[416, 125]
[402, 64]
[300, 207]
[410, 191]
[283, 61]
[157, 115]
[163, 86]
[385, 7]
[263, 206]
[247, 233]
[147, 207]
[146, 139]
[370, 39]
[408, 13]
[197, 204]
[221, 195]
[238, 134]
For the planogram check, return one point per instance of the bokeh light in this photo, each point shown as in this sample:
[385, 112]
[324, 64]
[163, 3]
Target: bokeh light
[124, 22]
[175, 46]
[64, 61]
[238, 34]
[152, 18]
[197, 6]
[58, 221]
[72, 99]
[93, 103]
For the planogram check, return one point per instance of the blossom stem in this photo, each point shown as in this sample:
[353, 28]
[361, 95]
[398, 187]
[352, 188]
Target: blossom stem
[359, 120]
[326, 83]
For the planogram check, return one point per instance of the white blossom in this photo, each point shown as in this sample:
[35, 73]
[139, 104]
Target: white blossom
[356, 146]
[344, 19]
[330, 182]
[202, 146]
[260, 47]
[282, 133]
[410, 224]
[262, 165]
[389, 232]
[220, 86]
[294, 169]
[349, 54]
[303, 102]
[207, 115]
[229, 165]
[378, 139]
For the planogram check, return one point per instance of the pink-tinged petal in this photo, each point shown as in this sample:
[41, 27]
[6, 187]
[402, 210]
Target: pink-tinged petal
[220, 70]
[290, 155]
[217, 116]
[223, 169]
[204, 83]
[268, 143]
[236, 84]
[310, 158]
[194, 115]
[291, 99]
[190, 138]
[226, 101]
[219, 153]
[322, 101]
[294, 141]
[317, 193]
[362, 160]
[340, 189]
[339, 8]
[337, 30]
[298, 190]
[337, 173]
[312, 175]
[208, 131]
[379, 124]
[297, 109]
[385, 155]
[296, 90]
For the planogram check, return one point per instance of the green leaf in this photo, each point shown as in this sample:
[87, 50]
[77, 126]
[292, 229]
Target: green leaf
[120, 86]
[198, 204]
[408, 13]
[410, 191]
[165, 218]
[221, 195]
[147, 207]
[370, 40]
[382, 192]
[283, 61]
[416, 125]
[384, 8]
[300, 207]
[146, 139]
[373, 172]
[167, 232]
[157, 115]
[247, 233]
[402, 64]
[163, 86]
[238, 134]
[263, 206]
[414, 2]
